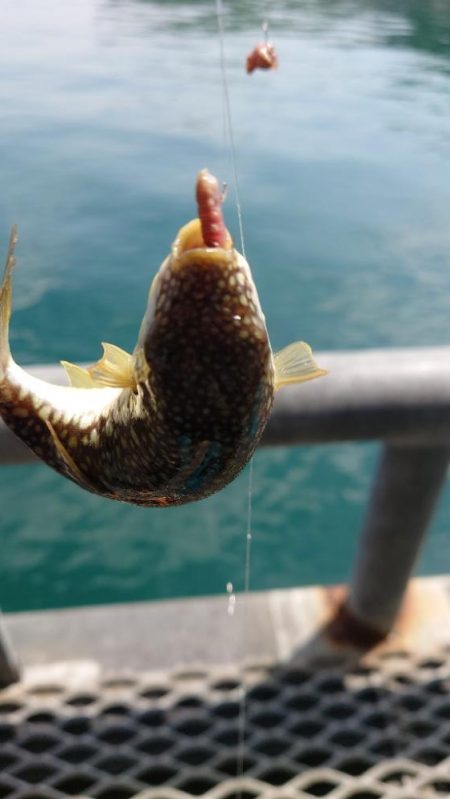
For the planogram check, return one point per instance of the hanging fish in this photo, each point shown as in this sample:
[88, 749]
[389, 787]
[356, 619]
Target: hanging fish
[179, 418]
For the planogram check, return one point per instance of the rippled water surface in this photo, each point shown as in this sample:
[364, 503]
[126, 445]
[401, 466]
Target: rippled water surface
[108, 110]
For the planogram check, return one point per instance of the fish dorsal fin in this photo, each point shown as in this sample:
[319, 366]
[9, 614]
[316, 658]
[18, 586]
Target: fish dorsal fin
[295, 364]
[114, 369]
[78, 377]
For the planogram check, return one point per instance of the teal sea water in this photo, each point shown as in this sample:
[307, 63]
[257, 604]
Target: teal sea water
[108, 108]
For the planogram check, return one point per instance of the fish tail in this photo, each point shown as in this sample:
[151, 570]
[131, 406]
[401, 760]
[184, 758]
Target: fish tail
[5, 303]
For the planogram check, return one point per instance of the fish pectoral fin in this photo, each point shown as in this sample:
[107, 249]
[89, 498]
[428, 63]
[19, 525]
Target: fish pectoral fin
[73, 470]
[295, 364]
[114, 369]
[78, 377]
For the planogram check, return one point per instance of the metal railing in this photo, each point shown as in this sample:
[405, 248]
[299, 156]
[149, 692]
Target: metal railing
[398, 396]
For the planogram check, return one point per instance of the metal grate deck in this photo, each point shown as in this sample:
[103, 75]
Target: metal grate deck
[380, 728]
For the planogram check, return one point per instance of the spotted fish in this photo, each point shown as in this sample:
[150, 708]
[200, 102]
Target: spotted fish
[179, 418]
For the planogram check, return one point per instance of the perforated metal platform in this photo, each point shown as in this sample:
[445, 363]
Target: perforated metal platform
[380, 728]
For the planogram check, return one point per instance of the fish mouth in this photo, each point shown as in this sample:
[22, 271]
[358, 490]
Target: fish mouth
[190, 246]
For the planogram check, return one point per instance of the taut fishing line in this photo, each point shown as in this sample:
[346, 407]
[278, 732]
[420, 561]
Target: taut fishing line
[247, 562]
[227, 118]
[229, 135]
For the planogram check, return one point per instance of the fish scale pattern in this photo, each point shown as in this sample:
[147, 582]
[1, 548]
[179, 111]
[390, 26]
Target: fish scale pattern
[380, 728]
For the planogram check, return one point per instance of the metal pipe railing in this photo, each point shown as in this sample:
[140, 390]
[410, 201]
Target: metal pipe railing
[403, 498]
[398, 396]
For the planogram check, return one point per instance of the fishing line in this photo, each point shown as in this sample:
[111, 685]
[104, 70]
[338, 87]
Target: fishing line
[249, 533]
[228, 119]
[242, 722]
[248, 536]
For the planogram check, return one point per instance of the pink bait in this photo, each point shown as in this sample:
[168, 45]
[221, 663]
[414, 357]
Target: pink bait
[262, 57]
[209, 200]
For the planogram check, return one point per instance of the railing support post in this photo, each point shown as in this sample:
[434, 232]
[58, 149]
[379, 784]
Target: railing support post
[9, 668]
[403, 498]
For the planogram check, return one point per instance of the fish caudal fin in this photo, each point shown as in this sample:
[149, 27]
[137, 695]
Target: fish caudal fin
[5, 303]
[114, 369]
[295, 364]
